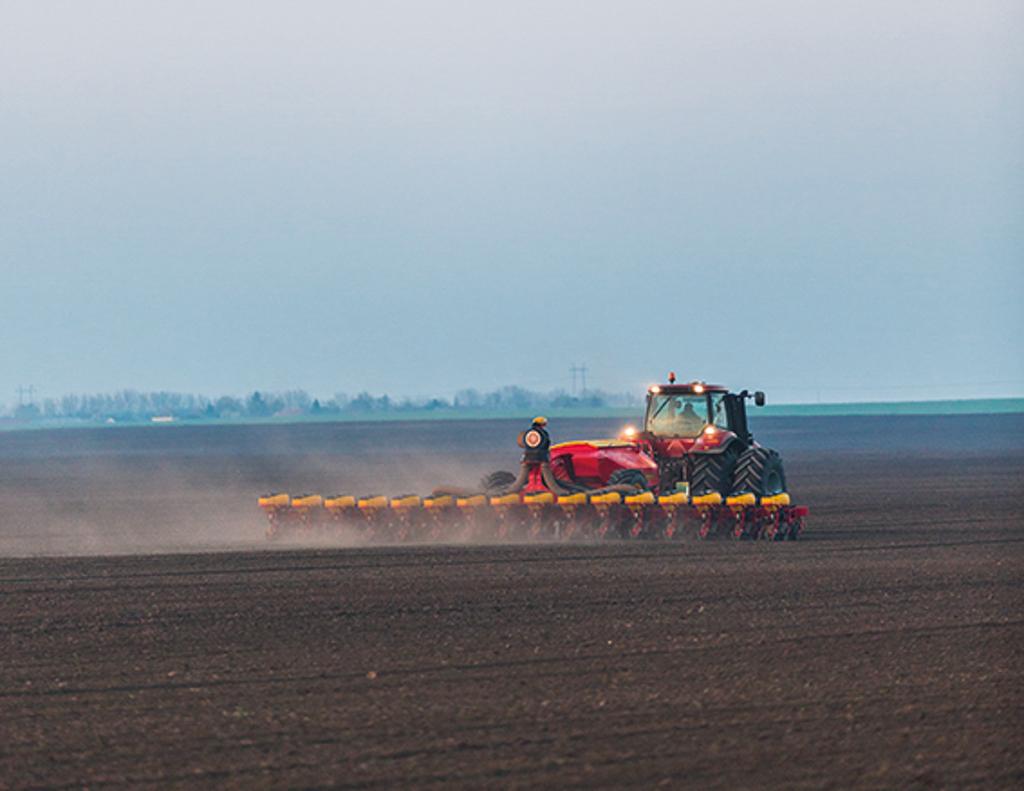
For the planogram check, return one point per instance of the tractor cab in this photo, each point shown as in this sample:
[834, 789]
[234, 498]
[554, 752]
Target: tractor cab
[695, 417]
[679, 412]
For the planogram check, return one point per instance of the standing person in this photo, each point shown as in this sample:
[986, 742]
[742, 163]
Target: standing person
[536, 445]
[536, 442]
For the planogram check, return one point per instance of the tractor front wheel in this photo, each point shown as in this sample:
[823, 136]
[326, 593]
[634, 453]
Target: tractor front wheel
[713, 472]
[759, 471]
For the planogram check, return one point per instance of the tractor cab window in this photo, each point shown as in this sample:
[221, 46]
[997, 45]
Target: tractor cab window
[719, 415]
[677, 415]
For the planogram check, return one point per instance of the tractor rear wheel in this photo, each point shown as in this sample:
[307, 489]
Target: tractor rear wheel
[497, 481]
[713, 472]
[759, 471]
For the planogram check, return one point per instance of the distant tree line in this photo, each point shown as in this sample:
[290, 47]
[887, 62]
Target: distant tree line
[132, 406]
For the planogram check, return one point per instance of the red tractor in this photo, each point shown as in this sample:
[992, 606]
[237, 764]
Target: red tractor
[695, 439]
[694, 460]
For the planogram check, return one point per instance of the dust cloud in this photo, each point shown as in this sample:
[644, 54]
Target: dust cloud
[184, 488]
[148, 496]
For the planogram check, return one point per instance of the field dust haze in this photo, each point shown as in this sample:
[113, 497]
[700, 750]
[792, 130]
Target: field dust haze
[157, 490]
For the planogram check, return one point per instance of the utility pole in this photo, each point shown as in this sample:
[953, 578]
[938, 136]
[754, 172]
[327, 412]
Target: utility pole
[580, 370]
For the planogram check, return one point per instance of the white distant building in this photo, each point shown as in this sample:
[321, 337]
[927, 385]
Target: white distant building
[162, 418]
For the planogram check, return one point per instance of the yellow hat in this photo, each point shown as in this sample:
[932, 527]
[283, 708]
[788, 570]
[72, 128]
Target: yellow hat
[540, 420]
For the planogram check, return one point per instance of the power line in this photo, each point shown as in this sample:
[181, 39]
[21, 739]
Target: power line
[876, 387]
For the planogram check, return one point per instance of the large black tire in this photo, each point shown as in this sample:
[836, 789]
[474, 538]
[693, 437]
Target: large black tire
[713, 472]
[759, 471]
[497, 481]
[633, 478]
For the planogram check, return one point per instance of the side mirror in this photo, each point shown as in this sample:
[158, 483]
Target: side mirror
[759, 398]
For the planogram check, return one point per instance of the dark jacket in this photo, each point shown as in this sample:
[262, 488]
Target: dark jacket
[536, 444]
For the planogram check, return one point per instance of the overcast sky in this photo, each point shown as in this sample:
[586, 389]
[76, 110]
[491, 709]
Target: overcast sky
[824, 200]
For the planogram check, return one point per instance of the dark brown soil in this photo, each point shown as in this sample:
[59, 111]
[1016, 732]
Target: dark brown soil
[884, 650]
